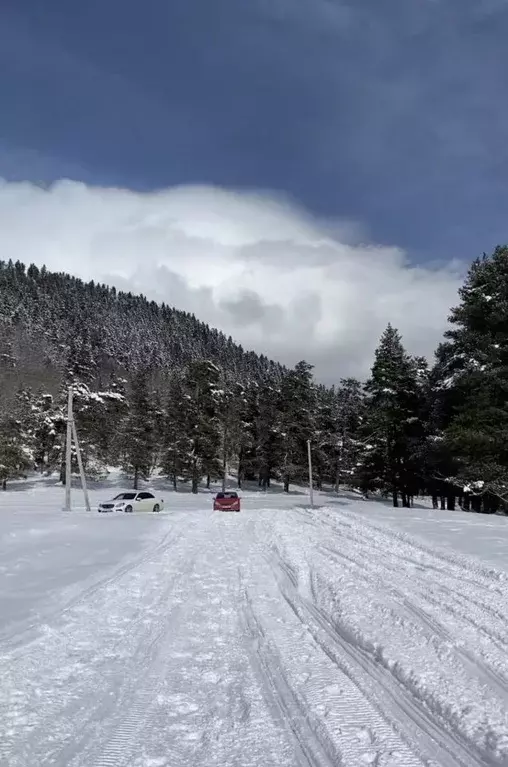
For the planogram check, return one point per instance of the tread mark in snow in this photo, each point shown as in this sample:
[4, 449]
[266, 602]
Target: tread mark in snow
[410, 717]
[311, 749]
[469, 661]
[21, 635]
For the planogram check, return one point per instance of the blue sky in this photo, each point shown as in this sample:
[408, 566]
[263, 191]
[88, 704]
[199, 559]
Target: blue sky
[392, 113]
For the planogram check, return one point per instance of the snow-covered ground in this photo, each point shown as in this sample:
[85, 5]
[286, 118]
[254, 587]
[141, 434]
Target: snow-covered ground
[349, 635]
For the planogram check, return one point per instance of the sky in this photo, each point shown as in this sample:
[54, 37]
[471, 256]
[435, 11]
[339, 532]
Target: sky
[296, 172]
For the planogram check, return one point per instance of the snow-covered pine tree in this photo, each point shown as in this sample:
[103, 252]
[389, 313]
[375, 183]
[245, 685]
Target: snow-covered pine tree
[201, 385]
[349, 420]
[265, 429]
[324, 436]
[138, 427]
[15, 455]
[176, 458]
[230, 401]
[297, 406]
[248, 416]
[472, 380]
[394, 420]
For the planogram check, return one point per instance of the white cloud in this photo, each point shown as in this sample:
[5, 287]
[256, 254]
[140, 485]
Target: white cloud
[260, 269]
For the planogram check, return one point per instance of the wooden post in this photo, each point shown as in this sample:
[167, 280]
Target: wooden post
[224, 460]
[81, 469]
[311, 487]
[68, 453]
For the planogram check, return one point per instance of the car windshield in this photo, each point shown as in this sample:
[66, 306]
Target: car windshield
[125, 497]
[226, 495]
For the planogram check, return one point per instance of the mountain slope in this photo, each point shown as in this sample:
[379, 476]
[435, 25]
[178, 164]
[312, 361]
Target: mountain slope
[53, 323]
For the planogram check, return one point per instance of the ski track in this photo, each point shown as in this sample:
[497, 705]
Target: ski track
[284, 637]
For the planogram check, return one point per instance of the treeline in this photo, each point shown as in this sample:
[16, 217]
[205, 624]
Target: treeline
[156, 390]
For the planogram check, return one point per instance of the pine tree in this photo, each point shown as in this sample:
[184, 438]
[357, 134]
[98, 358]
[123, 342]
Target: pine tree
[323, 437]
[395, 426]
[201, 385]
[138, 429]
[249, 459]
[349, 417]
[15, 457]
[230, 402]
[297, 404]
[177, 434]
[472, 381]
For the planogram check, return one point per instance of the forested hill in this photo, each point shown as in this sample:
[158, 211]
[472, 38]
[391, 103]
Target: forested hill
[157, 391]
[57, 322]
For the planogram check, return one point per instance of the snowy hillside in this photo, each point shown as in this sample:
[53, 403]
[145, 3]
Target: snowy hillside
[350, 635]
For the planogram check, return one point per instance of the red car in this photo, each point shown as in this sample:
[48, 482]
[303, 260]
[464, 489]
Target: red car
[226, 502]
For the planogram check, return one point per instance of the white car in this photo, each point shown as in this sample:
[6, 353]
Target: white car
[133, 501]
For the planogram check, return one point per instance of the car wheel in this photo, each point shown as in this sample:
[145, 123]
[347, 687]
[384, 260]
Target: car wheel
[128, 509]
[156, 508]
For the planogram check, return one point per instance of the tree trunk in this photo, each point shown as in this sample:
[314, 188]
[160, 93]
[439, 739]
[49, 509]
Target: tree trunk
[136, 477]
[239, 476]
[224, 463]
[435, 502]
[476, 503]
[286, 484]
[466, 502]
[4, 484]
[450, 503]
[337, 477]
[175, 484]
[395, 498]
[490, 504]
[208, 482]
[195, 477]
[443, 503]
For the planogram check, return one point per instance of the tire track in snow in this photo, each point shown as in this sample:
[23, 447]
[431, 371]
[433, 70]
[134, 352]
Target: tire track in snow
[407, 713]
[20, 635]
[98, 716]
[477, 666]
[130, 712]
[284, 704]
[358, 727]
[311, 750]
[440, 595]
[365, 572]
[479, 646]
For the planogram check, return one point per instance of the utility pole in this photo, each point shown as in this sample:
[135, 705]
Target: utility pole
[224, 460]
[68, 452]
[73, 434]
[80, 465]
[311, 487]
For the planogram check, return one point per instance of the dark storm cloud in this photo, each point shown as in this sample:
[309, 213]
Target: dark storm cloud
[388, 113]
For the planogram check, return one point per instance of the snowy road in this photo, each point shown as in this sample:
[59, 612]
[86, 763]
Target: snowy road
[276, 637]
